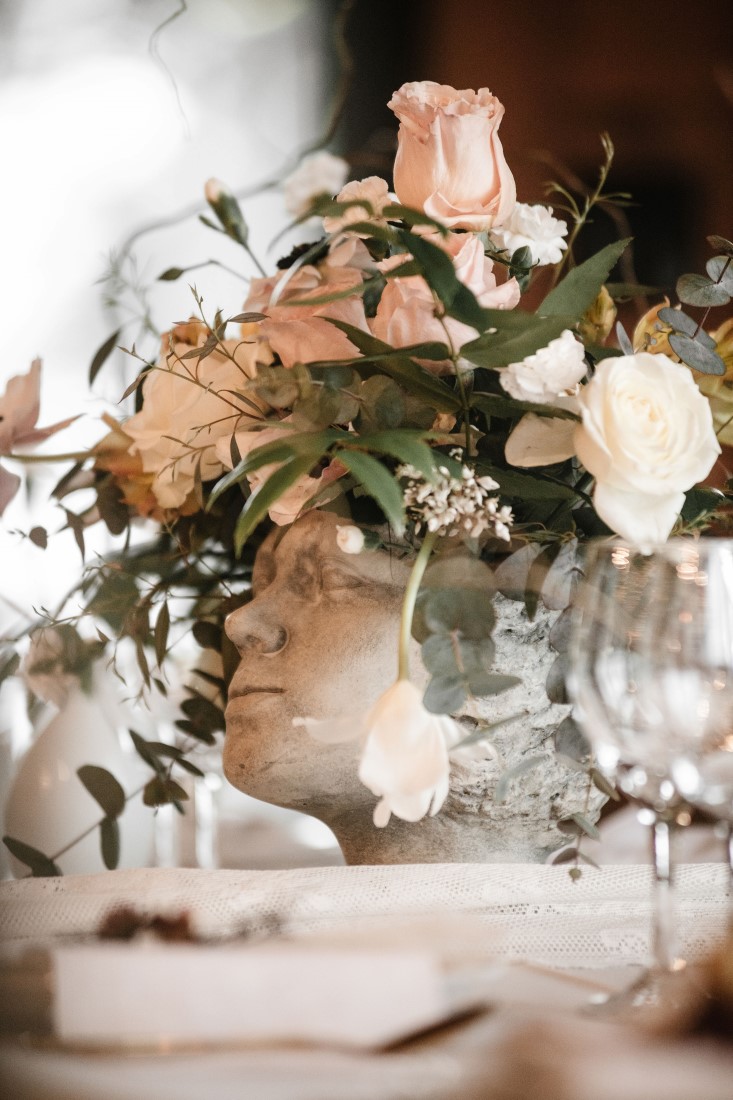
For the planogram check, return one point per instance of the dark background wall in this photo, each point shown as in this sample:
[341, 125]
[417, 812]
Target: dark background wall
[658, 76]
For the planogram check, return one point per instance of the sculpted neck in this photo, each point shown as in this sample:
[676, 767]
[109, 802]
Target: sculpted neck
[442, 839]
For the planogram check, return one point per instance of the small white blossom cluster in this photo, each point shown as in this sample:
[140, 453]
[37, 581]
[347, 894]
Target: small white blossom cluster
[455, 505]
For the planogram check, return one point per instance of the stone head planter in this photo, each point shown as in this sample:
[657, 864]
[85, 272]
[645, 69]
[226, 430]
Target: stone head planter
[319, 639]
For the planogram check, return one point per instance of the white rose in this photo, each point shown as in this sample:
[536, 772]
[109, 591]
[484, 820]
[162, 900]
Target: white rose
[646, 437]
[404, 758]
[373, 190]
[535, 228]
[318, 174]
[183, 415]
[551, 371]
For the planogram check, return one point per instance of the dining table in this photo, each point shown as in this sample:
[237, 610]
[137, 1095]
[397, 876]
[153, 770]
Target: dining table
[317, 1000]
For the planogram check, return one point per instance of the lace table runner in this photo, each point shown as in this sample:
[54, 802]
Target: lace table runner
[535, 913]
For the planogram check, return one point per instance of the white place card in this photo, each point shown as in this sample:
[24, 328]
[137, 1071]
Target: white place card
[172, 994]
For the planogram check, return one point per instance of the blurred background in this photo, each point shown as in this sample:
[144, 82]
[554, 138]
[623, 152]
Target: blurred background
[114, 113]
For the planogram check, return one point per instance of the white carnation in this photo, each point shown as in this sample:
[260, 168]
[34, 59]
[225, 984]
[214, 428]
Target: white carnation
[317, 174]
[535, 228]
[551, 371]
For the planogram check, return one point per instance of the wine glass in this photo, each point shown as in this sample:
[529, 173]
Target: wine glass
[652, 678]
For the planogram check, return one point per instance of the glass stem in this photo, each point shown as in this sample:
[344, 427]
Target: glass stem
[663, 931]
[729, 853]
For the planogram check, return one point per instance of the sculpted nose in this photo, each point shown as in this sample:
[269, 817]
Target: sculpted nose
[252, 628]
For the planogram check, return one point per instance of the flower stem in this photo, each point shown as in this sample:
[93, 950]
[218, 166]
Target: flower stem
[408, 604]
[70, 456]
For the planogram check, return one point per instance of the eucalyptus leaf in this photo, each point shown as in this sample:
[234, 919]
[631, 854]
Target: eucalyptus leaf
[109, 836]
[207, 716]
[207, 634]
[581, 286]
[445, 694]
[494, 404]
[562, 577]
[162, 790]
[604, 785]
[569, 740]
[721, 244]
[461, 610]
[696, 355]
[682, 322]
[556, 683]
[39, 537]
[512, 574]
[529, 763]
[40, 865]
[104, 788]
[720, 270]
[624, 343]
[9, 666]
[699, 290]
[578, 823]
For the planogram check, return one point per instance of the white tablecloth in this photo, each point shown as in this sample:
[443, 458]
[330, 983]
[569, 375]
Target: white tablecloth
[535, 1043]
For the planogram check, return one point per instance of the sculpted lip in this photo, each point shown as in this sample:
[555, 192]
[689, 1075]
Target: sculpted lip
[238, 693]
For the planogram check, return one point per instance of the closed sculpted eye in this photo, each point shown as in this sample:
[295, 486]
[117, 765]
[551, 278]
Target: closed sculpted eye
[335, 577]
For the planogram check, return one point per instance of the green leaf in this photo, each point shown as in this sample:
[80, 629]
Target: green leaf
[437, 266]
[41, 866]
[104, 788]
[720, 270]
[382, 404]
[721, 244]
[511, 337]
[9, 666]
[162, 627]
[260, 502]
[146, 751]
[394, 362]
[494, 404]
[203, 713]
[526, 486]
[208, 635]
[396, 212]
[445, 694]
[190, 768]
[604, 785]
[621, 291]
[699, 290]
[102, 354]
[171, 274]
[696, 355]
[310, 445]
[556, 683]
[407, 446]
[379, 483]
[109, 836]
[580, 287]
[39, 537]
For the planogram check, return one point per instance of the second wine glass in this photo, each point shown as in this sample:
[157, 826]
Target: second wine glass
[652, 679]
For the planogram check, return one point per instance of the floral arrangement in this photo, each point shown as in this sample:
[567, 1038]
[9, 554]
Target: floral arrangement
[389, 369]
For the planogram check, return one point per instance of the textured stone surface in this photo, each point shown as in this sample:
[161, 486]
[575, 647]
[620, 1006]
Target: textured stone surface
[320, 640]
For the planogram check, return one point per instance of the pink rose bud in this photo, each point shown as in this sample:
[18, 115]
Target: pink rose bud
[450, 163]
[213, 190]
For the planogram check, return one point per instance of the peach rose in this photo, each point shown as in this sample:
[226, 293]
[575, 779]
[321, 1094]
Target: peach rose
[302, 333]
[373, 190]
[406, 311]
[294, 500]
[450, 162]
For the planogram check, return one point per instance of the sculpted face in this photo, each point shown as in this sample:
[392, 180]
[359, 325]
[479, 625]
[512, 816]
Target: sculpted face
[318, 640]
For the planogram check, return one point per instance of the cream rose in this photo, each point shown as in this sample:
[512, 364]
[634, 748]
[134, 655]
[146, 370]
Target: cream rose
[646, 437]
[188, 405]
[450, 162]
[406, 311]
